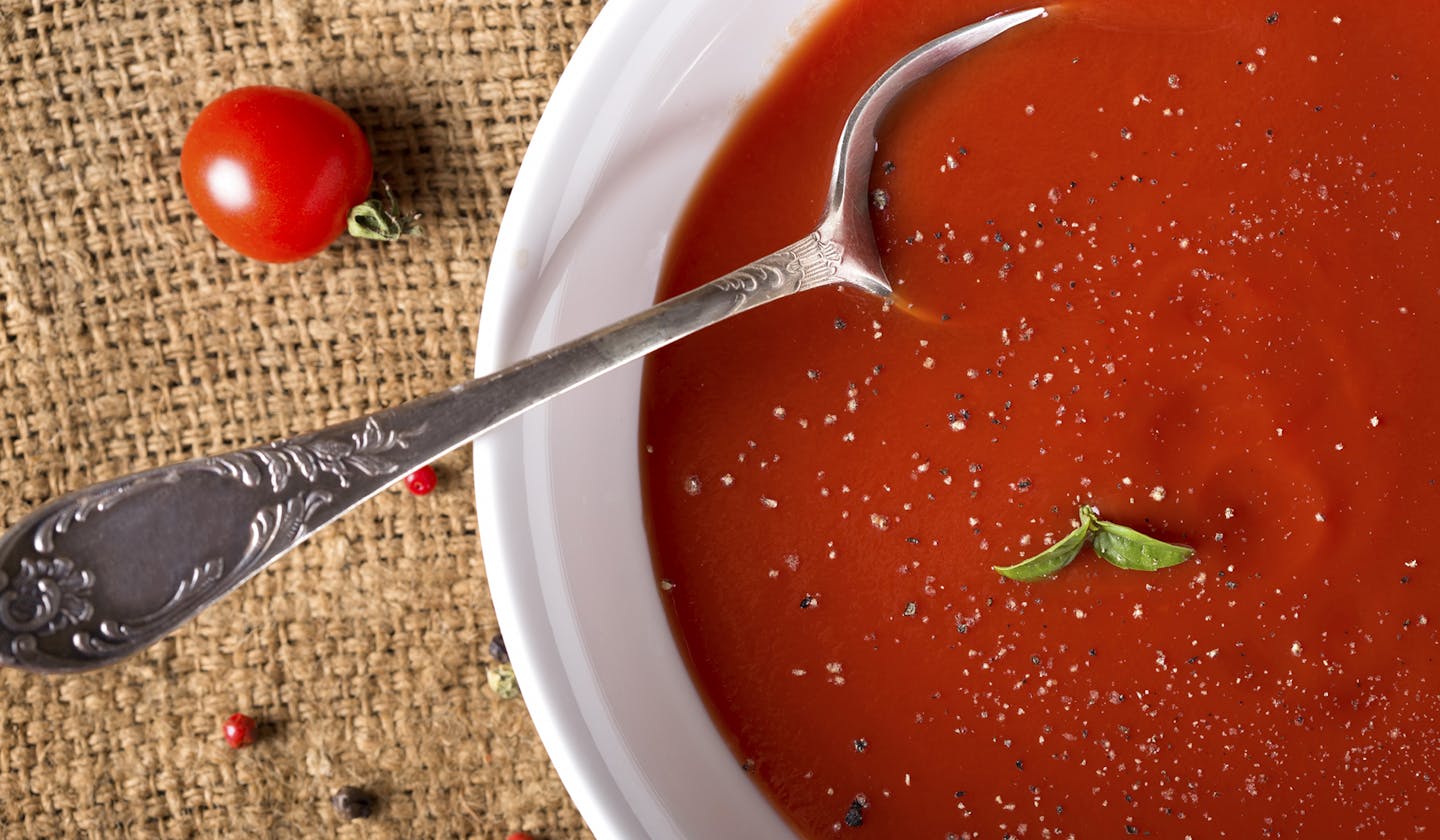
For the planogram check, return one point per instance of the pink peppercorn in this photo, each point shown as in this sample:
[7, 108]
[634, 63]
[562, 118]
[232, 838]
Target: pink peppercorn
[239, 730]
[421, 481]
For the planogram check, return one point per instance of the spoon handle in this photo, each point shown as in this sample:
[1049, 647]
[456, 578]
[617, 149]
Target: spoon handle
[105, 571]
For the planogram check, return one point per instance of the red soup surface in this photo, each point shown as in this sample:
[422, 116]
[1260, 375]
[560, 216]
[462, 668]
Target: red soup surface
[1176, 260]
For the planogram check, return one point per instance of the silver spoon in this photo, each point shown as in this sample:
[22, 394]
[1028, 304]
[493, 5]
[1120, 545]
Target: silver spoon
[101, 573]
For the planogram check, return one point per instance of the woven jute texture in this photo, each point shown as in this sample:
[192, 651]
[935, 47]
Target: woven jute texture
[130, 337]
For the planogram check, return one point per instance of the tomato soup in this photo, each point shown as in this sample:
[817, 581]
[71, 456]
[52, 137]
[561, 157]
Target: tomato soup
[1175, 260]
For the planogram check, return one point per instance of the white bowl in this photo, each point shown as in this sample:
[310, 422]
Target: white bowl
[633, 122]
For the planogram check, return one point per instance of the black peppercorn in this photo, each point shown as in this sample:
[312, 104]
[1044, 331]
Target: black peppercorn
[352, 803]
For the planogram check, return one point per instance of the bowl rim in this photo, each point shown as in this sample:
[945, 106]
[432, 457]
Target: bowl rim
[582, 718]
[575, 756]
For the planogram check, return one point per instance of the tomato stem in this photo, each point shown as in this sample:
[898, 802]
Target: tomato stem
[382, 221]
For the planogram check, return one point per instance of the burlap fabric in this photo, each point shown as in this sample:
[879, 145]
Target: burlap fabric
[130, 337]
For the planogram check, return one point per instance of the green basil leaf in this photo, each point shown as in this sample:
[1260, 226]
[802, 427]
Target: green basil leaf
[1054, 558]
[1130, 549]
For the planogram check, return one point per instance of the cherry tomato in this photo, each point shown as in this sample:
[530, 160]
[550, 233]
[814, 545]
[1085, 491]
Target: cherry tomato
[273, 172]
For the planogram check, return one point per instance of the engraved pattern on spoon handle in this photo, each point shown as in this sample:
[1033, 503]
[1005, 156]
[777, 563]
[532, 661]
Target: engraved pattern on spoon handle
[103, 572]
